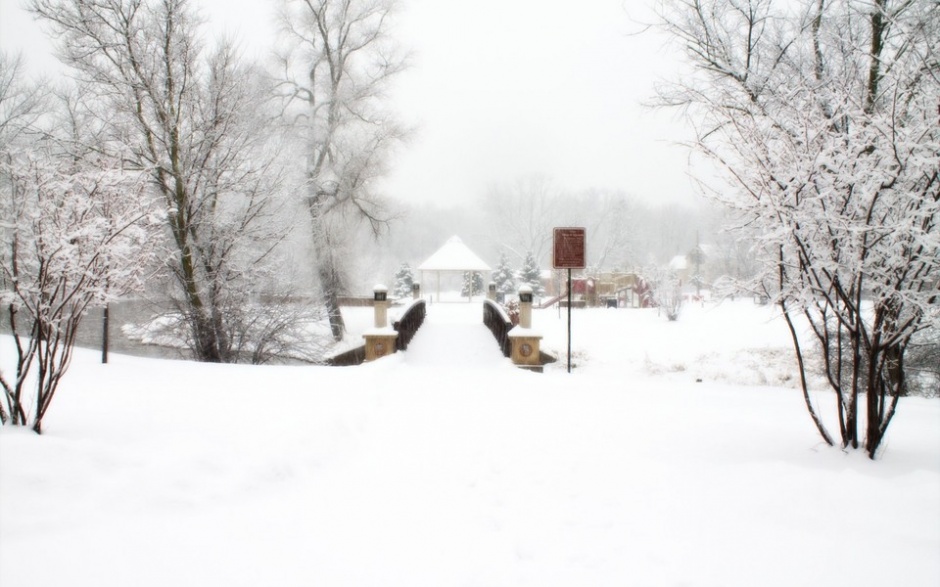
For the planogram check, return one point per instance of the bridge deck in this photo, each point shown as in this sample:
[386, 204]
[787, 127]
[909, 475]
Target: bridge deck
[453, 335]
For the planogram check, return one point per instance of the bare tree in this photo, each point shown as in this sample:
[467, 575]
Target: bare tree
[734, 260]
[521, 216]
[21, 103]
[334, 71]
[613, 221]
[193, 121]
[823, 114]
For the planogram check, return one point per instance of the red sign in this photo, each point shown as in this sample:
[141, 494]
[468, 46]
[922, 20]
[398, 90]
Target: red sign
[569, 248]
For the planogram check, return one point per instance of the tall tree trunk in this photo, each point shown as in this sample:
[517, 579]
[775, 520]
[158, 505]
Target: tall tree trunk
[205, 343]
[331, 301]
[329, 272]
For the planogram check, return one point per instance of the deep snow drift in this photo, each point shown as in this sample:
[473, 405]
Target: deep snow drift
[435, 468]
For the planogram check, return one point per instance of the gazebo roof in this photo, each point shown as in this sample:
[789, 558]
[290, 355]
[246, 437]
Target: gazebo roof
[454, 256]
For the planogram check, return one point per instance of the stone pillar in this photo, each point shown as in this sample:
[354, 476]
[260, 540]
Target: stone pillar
[525, 341]
[380, 341]
[491, 292]
[415, 291]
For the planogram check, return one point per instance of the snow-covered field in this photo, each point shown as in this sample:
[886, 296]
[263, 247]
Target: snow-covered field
[674, 454]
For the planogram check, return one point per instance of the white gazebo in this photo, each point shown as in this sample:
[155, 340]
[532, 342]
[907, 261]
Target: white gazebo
[453, 257]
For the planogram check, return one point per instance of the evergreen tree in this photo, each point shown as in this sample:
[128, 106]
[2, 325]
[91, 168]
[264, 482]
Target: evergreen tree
[404, 281]
[531, 275]
[504, 278]
[472, 284]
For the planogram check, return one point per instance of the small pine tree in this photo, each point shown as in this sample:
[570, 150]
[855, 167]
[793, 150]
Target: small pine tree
[531, 275]
[404, 280]
[504, 278]
[472, 284]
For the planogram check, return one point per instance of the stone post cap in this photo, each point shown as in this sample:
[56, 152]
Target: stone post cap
[380, 293]
[525, 295]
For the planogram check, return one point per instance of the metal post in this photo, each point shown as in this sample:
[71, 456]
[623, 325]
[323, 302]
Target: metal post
[104, 333]
[569, 320]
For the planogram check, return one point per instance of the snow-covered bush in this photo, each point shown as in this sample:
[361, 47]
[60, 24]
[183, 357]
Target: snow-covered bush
[824, 117]
[666, 290]
[73, 238]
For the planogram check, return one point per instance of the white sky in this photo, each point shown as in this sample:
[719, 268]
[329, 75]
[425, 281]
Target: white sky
[500, 90]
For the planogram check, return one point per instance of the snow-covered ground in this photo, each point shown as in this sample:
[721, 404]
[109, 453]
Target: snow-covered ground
[675, 453]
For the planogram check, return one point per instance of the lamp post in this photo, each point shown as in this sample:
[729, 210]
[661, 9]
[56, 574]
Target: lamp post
[380, 304]
[380, 340]
[525, 306]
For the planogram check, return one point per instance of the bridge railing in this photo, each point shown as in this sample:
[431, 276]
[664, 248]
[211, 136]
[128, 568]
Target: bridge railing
[409, 323]
[496, 319]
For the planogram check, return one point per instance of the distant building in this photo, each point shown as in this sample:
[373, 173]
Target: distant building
[453, 258]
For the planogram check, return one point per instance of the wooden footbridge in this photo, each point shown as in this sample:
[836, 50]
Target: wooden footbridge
[450, 334]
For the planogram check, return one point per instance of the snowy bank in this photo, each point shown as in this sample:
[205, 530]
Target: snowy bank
[176, 473]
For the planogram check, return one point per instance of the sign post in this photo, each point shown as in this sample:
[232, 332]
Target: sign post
[568, 253]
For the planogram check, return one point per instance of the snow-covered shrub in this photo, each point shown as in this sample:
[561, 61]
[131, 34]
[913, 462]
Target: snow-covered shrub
[822, 117]
[73, 238]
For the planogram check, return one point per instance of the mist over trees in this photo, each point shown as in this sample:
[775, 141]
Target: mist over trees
[624, 233]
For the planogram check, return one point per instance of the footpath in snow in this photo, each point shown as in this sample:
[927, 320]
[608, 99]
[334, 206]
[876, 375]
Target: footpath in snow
[453, 335]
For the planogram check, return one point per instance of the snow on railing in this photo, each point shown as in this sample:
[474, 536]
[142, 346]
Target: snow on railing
[411, 320]
[497, 320]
